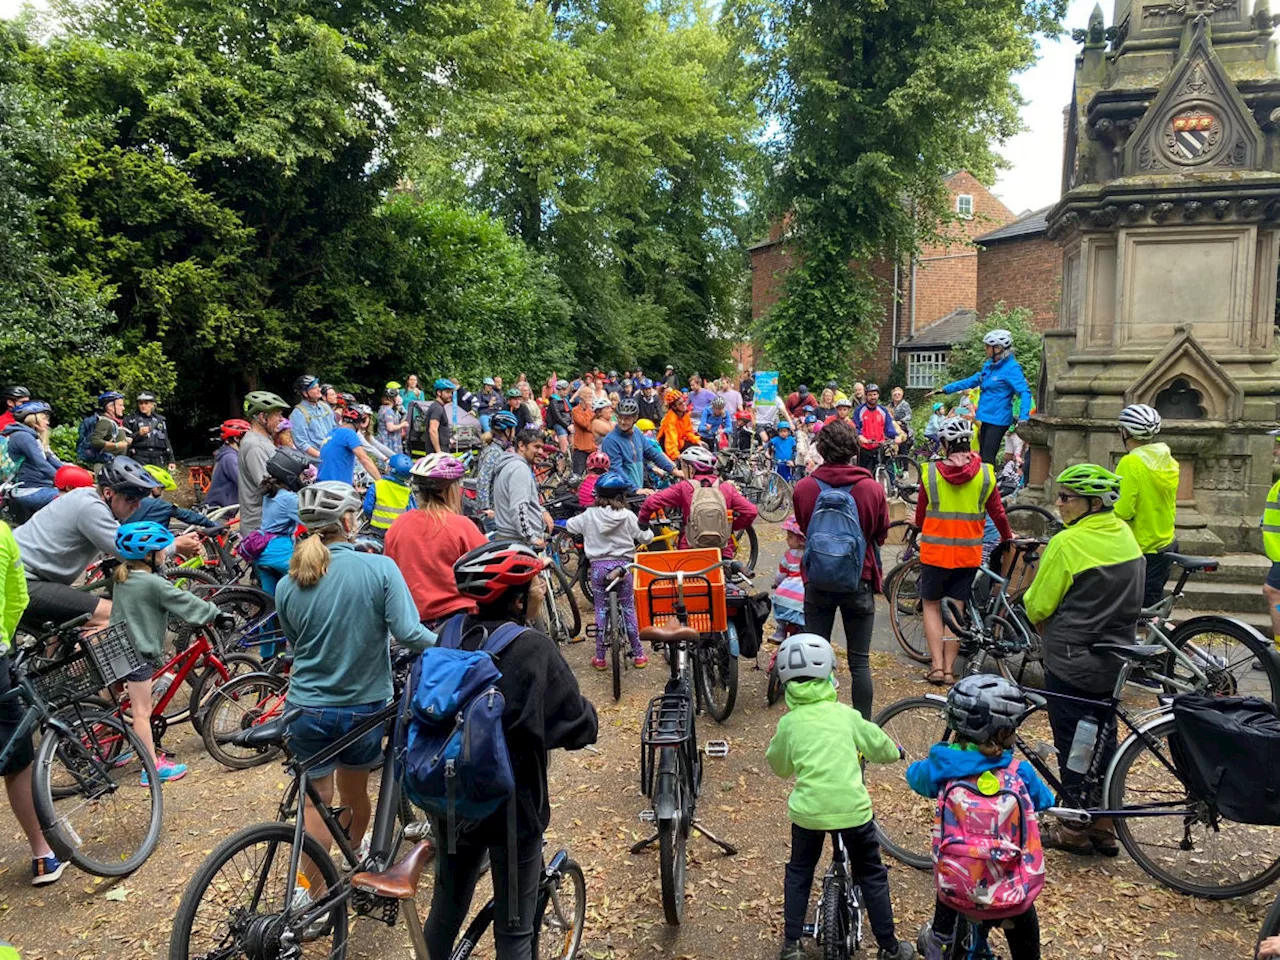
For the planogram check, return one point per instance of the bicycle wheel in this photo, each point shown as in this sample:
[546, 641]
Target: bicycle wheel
[773, 692]
[238, 897]
[716, 669]
[1234, 657]
[898, 547]
[1190, 848]
[747, 544]
[237, 705]
[92, 807]
[566, 603]
[775, 498]
[673, 835]
[564, 551]
[906, 610]
[562, 912]
[184, 578]
[837, 924]
[904, 819]
[614, 639]
[906, 477]
[1030, 522]
[236, 664]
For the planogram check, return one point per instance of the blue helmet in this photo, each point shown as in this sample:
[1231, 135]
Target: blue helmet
[444, 384]
[401, 465]
[614, 483]
[646, 383]
[24, 410]
[503, 420]
[134, 541]
[108, 396]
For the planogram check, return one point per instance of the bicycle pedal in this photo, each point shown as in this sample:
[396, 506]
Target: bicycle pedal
[647, 816]
[716, 748]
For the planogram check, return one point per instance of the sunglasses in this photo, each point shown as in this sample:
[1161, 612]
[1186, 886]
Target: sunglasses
[1066, 497]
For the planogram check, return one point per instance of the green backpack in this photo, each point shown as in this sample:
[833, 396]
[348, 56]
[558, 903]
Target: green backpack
[8, 465]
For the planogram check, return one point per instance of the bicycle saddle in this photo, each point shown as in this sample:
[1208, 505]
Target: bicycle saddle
[1193, 563]
[672, 633]
[1137, 652]
[401, 881]
[269, 734]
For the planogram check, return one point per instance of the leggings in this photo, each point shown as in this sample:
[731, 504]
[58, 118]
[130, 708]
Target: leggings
[990, 435]
[858, 611]
[600, 570]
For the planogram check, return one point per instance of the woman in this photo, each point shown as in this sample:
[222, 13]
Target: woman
[284, 435]
[1000, 381]
[826, 404]
[28, 440]
[424, 543]
[529, 404]
[336, 607]
[410, 392]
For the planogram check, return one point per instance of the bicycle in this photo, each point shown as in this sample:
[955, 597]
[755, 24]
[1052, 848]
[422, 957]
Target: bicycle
[560, 618]
[615, 632]
[897, 474]
[247, 701]
[670, 762]
[757, 480]
[837, 922]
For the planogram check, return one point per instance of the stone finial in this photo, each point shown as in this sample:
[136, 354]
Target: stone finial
[1220, 208]
[1248, 207]
[1134, 211]
[1095, 35]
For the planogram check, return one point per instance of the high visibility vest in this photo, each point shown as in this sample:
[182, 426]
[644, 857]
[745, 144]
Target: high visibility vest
[954, 519]
[390, 500]
[1271, 524]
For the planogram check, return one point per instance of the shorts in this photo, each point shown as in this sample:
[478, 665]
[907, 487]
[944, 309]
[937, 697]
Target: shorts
[939, 582]
[1273, 578]
[55, 603]
[319, 727]
[142, 675]
[11, 712]
[560, 431]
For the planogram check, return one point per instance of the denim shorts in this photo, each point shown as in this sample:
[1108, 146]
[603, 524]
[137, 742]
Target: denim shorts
[560, 431]
[319, 727]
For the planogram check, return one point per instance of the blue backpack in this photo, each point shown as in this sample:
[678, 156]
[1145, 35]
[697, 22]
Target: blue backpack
[84, 448]
[835, 546]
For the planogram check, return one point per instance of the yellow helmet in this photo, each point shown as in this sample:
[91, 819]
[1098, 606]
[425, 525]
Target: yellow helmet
[163, 475]
[644, 423]
[393, 385]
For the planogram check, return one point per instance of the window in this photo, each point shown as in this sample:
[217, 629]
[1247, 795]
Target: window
[924, 370]
[964, 205]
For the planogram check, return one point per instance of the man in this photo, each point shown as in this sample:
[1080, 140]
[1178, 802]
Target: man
[671, 382]
[490, 402]
[313, 418]
[13, 395]
[798, 400]
[747, 386]
[559, 418]
[731, 396]
[676, 431]
[1148, 494]
[110, 438]
[714, 421]
[699, 396]
[264, 411]
[699, 467]
[517, 508]
[439, 429]
[874, 426]
[518, 408]
[768, 416]
[649, 401]
[150, 434]
[956, 494]
[900, 410]
[1087, 591]
[627, 449]
[391, 420]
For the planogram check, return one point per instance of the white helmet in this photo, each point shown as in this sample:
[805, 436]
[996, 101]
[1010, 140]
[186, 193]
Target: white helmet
[599, 403]
[1140, 421]
[700, 458]
[955, 429]
[999, 338]
[805, 656]
[324, 504]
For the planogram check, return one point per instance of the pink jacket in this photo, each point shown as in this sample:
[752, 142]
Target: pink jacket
[679, 496]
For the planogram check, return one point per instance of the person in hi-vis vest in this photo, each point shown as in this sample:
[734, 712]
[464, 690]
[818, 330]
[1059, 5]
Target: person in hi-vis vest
[1271, 547]
[391, 496]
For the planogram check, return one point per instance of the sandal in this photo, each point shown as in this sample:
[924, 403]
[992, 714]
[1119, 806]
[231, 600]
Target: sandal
[948, 679]
[935, 677]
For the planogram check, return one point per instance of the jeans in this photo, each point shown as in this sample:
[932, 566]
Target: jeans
[858, 610]
[1063, 717]
[33, 498]
[1022, 932]
[600, 569]
[867, 870]
[456, 878]
[990, 436]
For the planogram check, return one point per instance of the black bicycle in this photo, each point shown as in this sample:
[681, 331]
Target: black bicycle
[837, 924]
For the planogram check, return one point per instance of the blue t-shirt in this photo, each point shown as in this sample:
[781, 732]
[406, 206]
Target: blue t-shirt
[784, 448]
[338, 455]
[280, 513]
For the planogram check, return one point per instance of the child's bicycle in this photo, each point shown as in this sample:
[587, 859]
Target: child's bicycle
[615, 632]
[837, 924]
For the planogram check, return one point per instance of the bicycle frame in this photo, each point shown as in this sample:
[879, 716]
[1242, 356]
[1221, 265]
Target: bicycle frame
[477, 927]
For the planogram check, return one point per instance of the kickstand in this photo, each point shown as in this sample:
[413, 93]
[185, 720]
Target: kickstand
[729, 849]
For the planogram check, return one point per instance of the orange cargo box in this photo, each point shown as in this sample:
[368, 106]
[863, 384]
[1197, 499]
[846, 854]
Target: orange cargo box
[703, 595]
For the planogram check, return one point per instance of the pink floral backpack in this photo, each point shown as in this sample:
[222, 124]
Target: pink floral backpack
[988, 862]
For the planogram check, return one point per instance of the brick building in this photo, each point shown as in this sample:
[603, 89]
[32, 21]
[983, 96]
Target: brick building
[1020, 265]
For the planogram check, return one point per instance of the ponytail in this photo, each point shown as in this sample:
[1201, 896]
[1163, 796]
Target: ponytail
[311, 556]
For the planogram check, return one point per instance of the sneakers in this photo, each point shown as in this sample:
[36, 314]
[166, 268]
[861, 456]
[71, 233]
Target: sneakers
[302, 900]
[792, 950]
[640, 662]
[45, 870]
[932, 946]
[903, 951]
[168, 770]
[599, 664]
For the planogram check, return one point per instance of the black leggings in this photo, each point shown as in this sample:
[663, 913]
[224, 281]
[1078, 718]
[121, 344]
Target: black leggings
[858, 610]
[868, 871]
[990, 436]
[1021, 932]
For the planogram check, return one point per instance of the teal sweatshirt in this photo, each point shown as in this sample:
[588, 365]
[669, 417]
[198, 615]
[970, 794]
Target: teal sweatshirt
[144, 603]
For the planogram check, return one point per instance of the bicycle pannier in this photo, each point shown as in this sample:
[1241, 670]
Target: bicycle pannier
[708, 517]
[1228, 748]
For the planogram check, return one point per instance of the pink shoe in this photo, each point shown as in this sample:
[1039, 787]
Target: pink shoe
[640, 662]
[598, 663]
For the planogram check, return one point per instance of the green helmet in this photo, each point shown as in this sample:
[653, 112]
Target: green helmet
[263, 401]
[1091, 480]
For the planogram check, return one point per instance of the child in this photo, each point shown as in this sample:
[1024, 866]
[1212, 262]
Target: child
[145, 602]
[744, 432]
[284, 434]
[610, 533]
[934, 423]
[814, 459]
[597, 465]
[788, 588]
[984, 711]
[154, 509]
[288, 471]
[784, 450]
[389, 497]
[820, 741]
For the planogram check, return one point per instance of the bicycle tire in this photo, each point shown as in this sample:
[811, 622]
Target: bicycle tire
[836, 929]
[1228, 675]
[906, 610]
[773, 692]
[1270, 924]
[584, 582]
[716, 670]
[906, 477]
[240, 703]
[562, 595]
[275, 835]
[566, 943]
[615, 656]
[897, 549]
[673, 835]
[101, 782]
[904, 820]
[1181, 842]
[210, 680]
[752, 546]
[1030, 522]
[775, 498]
[885, 481]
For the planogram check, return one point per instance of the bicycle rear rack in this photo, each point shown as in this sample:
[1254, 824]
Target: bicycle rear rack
[667, 723]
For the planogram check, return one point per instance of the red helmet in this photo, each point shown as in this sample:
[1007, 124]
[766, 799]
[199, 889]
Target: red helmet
[349, 415]
[491, 569]
[598, 461]
[233, 429]
[742, 415]
[69, 476]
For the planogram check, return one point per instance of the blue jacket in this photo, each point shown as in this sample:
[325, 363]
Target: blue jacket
[37, 467]
[999, 380]
[949, 762]
[710, 424]
[312, 424]
[224, 487]
[161, 511]
[628, 453]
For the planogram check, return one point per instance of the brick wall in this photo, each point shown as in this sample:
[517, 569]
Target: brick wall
[769, 265]
[1023, 272]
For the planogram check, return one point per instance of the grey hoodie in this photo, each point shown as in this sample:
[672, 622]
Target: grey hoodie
[517, 511]
[64, 537]
[608, 533]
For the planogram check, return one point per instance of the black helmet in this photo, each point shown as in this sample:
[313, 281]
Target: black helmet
[146, 395]
[126, 475]
[980, 706]
[305, 383]
[287, 466]
[15, 392]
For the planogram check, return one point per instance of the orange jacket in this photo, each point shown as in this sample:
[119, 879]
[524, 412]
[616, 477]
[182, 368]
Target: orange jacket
[583, 438]
[676, 433]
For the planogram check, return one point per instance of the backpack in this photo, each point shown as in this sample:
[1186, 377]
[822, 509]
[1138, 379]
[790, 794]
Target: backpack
[708, 524]
[987, 860]
[9, 465]
[835, 547]
[85, 452]
[1228, 751]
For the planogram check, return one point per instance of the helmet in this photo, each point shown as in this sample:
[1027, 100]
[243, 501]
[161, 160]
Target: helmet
[489, 382]
[872, 387]
[283, 426]
[287, 466]
[24, 410]
[438, 470]
[644, 423]
[134, 541]
[818, 425]
[599, 460]
[325, 388]
[646, 383]
[717, 403]
[615, 483]
[613, 374]
[805, 656]
[443, 384]
[263, 401]
[955, 429]
[980, 706]
[108, 396]
[844, 402]
[324, 504]
[562, 384]
[401, 465]
[491, 569]
[364, 408]
[810, 419]
[16, 392]
[234, 429]
[599, 403]
[503, 420]
[305, 383]
[1091, 480]
[347, 399]
[513, 393]
[742, 415]
[1002, 339]
[69, 477]
[1137, 420]
[163, 475]
[628, 407]
[671, 396]
[938, 406]
[126, 475]
[792, 525]
[393, 385]
[350, 414]
[700, 458]
[783, 425]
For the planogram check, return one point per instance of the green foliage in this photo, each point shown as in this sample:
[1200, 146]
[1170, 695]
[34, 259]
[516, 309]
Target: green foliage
[969, 354]
[62, 441]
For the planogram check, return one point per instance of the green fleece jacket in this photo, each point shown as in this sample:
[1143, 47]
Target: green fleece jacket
[818, 742]
[1148, 494]
[145, 602]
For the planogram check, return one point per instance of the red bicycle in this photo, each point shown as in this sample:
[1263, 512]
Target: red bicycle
[247, 701]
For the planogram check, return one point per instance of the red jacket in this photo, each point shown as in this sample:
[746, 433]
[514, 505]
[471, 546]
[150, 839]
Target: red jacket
[868, 496]
[961, 468]
[679, 496]
[6, 418]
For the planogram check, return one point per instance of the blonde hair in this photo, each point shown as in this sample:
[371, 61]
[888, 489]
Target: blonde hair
[311, 556]
[121, 573]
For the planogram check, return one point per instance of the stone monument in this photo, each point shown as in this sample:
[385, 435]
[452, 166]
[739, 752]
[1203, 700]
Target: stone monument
[1170, 225]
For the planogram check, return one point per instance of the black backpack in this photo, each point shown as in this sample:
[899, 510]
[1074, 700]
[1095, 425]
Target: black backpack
[1228, 749]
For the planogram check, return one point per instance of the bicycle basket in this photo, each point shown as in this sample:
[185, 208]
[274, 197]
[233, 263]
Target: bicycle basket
[113, 652]
[69, 680]
[704, 596]
[1228, 750]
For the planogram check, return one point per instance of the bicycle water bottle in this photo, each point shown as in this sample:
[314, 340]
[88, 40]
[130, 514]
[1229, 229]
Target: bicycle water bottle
[1082, 745]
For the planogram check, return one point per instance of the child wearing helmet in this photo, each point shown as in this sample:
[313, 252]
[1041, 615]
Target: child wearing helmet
[598, 464]
[820, 742]
[699, 465]
[936, 416]
[1148, 493]
[788, 585]
[784, 451]
[155, 509]
[676, 432]
[224, 484]
[270, 547]
[610, 533]
[145, 601]
[984, 712]
[391, 496]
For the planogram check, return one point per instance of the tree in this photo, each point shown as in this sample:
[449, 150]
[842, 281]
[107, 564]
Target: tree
[968, 355]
